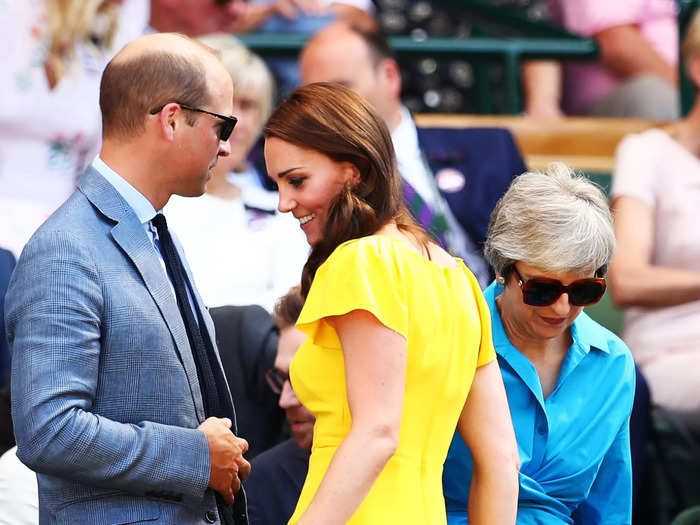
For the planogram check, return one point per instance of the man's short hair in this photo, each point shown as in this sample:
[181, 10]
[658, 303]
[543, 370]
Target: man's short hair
[288, 307]
[131, 88]
[376, 42]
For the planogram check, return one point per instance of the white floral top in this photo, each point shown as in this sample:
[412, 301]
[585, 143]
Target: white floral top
[47, 136]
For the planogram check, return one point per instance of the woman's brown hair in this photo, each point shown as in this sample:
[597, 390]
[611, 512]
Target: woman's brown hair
[337, 122]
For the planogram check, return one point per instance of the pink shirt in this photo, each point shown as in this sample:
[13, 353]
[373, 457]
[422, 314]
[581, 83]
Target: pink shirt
[586, 83]
[665, 341]
[655, 169]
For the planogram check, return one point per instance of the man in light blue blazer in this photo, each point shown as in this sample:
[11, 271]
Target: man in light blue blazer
[110, 402]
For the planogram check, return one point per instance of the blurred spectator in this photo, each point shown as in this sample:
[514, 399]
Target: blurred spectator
[302, 16]
[7, 264]
[54, 52]
[278, 474]
[195, 17]
[299, 17]
[240, 250]
[636, 75]
[248, 342]
[19, 495]
[452, 178]
[656, 270]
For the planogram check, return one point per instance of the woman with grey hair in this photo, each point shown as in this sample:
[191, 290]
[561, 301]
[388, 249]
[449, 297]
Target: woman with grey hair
[570, 382]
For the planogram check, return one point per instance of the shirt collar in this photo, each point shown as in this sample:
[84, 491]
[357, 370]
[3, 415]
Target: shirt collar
[142, 207]
[585, 332]
[405, 133]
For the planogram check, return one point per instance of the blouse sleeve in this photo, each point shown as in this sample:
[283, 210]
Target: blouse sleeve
[635, 170]
[487, 352]
[359, 275]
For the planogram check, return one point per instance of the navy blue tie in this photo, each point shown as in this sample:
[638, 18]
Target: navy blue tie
[212, 382]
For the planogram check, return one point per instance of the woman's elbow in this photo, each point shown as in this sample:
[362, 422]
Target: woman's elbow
[503, 462]
[510, 461]
[383, 440]
[622, 289]
[621, 294]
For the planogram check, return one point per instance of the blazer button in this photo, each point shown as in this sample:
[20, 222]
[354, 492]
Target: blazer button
[210, 516]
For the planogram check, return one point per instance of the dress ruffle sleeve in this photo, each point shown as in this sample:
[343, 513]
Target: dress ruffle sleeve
[362, 274]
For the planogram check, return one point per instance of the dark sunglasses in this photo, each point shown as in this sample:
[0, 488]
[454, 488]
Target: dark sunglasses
[541, 291]
[276, 380]
[226, 128]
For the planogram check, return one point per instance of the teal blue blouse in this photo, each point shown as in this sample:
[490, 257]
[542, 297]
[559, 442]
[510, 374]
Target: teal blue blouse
[575, 465]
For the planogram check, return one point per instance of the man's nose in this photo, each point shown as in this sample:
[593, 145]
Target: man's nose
[224, 148]
[288, 398]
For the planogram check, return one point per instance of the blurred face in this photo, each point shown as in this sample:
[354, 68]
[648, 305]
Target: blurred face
[300, 420]
[308, 181]
[343, 57]
[537, 323]
[195, 17]
[199, 147]
[247, 110]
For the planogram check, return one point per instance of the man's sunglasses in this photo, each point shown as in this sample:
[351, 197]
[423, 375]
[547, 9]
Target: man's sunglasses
[276, 380]
[226, 128]
[541, 291]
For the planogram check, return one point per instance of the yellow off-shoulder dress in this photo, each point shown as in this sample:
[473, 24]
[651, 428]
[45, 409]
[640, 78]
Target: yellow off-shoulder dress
[442, 314]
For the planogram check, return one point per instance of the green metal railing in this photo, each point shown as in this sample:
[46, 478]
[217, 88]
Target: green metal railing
[685, 13]
[500, 35]
[481, 50]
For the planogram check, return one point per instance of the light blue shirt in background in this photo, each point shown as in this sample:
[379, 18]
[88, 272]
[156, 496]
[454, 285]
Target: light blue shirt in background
[575, 465]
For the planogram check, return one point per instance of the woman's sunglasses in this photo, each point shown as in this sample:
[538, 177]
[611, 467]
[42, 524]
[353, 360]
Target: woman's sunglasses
[541, 291]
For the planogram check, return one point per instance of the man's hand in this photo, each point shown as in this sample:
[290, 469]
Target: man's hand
[228, 466]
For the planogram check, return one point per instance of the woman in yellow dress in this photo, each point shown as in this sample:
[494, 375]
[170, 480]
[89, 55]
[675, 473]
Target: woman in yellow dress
[398, 351]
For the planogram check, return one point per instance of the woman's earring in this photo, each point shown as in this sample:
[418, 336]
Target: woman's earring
[500, 279]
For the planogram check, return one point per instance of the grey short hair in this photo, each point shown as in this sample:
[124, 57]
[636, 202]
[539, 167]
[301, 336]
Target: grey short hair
[248, 71]
[556, 221]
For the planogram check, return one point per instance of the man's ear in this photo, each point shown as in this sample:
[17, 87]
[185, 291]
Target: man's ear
[168, 121]
[391, 73]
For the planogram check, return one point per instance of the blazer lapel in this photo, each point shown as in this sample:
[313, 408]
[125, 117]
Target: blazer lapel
[129, 234]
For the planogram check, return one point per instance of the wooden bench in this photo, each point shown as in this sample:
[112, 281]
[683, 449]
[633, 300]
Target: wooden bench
[584, 143]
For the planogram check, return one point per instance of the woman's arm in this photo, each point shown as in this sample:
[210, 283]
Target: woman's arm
[626, 53]
[486, 427]
[375, 373]
[542, 88]
[634, 280]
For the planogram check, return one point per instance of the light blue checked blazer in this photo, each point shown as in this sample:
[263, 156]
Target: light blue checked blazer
[105, 397]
